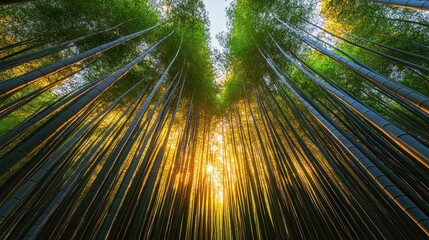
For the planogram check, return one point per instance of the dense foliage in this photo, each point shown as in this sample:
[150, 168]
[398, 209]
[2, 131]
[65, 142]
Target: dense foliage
[114, 123]
[47, 23]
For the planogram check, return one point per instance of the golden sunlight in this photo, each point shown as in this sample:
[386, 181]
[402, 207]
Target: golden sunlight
[214, 168]
[210, 169]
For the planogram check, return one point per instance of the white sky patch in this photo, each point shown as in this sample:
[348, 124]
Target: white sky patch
[218, 23]
[217, 17]
[69, 85]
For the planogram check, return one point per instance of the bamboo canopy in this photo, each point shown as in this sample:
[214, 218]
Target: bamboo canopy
[113, 125]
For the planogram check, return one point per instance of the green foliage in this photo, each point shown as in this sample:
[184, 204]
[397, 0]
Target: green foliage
[56, 21]
[252, 24]
[189, 18]
[390, 26]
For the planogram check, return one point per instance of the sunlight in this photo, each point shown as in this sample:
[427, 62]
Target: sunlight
[210, 169]
[214, 177]
[214, 169]
[203, 119]
[165, 8]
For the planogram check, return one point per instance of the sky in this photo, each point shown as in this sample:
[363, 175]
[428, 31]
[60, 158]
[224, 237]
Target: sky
[217, 17]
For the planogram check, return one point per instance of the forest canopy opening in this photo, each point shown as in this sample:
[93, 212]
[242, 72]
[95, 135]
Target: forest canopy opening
[120, 120]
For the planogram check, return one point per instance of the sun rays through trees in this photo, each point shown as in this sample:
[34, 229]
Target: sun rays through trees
[114, 124]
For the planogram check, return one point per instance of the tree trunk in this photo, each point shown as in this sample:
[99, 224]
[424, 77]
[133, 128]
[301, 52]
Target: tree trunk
[12, 85]
[409, 95]
[418, 5]
[5, 2]
[12, 160]
[389, 188]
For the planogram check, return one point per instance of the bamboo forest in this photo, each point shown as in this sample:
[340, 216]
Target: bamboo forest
[120, 120]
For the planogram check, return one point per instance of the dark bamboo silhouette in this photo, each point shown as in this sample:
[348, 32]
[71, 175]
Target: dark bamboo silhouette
[12, 62]
[413, 97]
[403, 139]
[5, 2]
[12, 85]
[391, 189]
[12, 160]
[146, 150]
[419, 5]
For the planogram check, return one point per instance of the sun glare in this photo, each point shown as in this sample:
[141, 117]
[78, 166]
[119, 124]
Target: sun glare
[214, 169]
[165, 8]
[210, 169]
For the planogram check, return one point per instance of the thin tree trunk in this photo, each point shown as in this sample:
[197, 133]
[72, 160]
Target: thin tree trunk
[403, 139]
[12, 159]
[18, 103]
[409, 95]
[12, 85]
[418, 5]
[419, 217]
[5, 2]
[403, 20]
[43, 170]
[10, 63]
[377, 44]
[17, 44]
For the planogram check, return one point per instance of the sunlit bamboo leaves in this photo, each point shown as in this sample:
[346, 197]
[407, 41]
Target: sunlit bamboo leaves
[297, 146]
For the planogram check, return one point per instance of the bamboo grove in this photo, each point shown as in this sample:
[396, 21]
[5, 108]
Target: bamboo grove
[112, 125]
